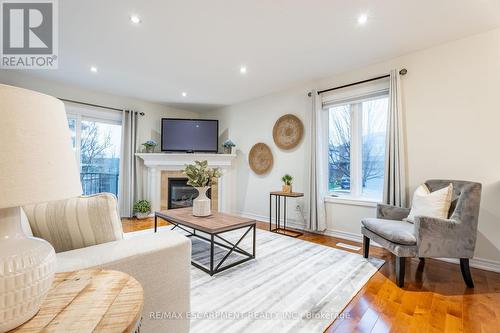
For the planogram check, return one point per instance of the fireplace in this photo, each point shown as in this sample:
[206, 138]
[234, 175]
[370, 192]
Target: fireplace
[180, 194]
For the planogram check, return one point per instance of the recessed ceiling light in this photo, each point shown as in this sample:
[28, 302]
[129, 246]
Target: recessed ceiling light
[243, 70]
[93, 69]
[184, 94]
[362, 19]
[135, 19]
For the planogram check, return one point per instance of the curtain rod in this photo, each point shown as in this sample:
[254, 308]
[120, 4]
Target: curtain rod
[401, 72]
[97, 105]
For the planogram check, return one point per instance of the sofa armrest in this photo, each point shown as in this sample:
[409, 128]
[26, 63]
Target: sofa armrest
[389, 212]
[161, 263]
[443, 238]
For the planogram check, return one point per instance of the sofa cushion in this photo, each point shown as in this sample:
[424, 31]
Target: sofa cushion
[77, 222]
[399, 232]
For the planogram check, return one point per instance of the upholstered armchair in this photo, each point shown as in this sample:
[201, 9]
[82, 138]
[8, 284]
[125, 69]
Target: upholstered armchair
[429, 237]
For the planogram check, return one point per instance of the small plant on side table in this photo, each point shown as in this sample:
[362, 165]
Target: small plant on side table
[142, 208]
[228, 146]
[287, 183]
[150, 146]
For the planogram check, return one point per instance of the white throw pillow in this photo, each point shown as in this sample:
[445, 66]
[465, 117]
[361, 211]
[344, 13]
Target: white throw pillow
[434, 204]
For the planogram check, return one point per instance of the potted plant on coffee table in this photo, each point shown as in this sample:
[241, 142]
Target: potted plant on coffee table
[142, 209]
[201, 177]
[287, 183]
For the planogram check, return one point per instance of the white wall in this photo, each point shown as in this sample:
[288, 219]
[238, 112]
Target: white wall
[452, 118]
[252, 122]
[149, 125]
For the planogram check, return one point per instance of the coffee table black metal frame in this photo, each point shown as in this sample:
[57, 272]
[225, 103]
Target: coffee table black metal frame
[277, 213]
[232, 247]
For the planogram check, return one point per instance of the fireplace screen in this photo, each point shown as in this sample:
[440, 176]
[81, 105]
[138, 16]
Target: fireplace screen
[180, 194]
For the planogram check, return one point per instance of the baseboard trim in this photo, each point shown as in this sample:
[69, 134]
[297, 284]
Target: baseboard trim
[344, 235]
[358, 238]
[290, 222]
[480, 263]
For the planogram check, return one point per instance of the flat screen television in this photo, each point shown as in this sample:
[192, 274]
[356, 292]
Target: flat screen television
[189, 135]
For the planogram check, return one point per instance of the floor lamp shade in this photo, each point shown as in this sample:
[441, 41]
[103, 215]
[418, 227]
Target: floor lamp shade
[37, 164]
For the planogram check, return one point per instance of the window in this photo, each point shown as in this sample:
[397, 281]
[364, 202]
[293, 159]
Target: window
[96, 141]
[356, 146]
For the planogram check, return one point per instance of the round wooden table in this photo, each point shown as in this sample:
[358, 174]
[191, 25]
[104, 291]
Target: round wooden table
[91, 300]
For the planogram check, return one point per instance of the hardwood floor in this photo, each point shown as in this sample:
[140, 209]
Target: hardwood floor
[435, 298]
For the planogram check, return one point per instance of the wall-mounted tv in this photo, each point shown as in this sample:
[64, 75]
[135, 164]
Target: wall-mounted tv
[189, 135]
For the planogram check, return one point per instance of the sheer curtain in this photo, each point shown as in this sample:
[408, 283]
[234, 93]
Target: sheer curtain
[395, 166]
[128, 181]
[317, 167]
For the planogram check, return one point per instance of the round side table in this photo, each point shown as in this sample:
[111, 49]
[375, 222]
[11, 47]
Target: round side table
[91, 300]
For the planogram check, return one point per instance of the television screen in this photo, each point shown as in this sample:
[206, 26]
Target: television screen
[189, 135]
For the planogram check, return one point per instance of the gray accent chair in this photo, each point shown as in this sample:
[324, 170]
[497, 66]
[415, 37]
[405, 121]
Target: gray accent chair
[429, 237]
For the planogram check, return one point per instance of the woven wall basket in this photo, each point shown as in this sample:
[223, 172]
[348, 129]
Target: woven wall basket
[260, 158]
[288, 131]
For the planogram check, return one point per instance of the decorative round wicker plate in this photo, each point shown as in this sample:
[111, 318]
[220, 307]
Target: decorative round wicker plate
[260, 158]
[288, 131]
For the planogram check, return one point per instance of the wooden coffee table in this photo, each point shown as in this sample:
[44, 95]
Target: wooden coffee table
[213, 225]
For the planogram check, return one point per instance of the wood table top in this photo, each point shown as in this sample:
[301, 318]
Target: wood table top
[91, 300]
[213, 224]
[288, 194]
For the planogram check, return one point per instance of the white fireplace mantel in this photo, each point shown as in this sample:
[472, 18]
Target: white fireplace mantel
[158, 162]
[179, 161]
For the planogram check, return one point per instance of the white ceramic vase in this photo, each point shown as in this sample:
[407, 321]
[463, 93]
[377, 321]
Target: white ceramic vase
[27, 266]
[201, 205]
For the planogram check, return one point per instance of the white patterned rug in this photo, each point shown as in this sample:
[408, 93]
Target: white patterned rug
[291, 286]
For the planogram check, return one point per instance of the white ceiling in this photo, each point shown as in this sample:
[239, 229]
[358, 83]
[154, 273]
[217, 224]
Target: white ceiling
[197, 46]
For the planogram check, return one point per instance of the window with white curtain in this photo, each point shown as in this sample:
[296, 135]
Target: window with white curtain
[357, 123]
[96, 137]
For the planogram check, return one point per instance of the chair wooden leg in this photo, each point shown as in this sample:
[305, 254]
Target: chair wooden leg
[400, 271]
[464, 267]
[421, 264]
[366, 246]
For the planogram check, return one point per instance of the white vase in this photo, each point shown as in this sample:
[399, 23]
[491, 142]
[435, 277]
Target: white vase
[27, 266]
[201, 205]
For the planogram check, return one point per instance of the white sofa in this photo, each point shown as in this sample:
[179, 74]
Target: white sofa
[87, 233]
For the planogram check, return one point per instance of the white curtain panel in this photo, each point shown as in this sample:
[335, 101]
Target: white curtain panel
[317, 167]
[395, 175]
[127, 186]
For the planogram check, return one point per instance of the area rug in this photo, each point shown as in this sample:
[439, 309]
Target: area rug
[291, 286]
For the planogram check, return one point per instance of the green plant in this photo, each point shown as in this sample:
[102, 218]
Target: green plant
[287, 179]
[150, 143]
[142, 206]
[228, 144]
[200, 175]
